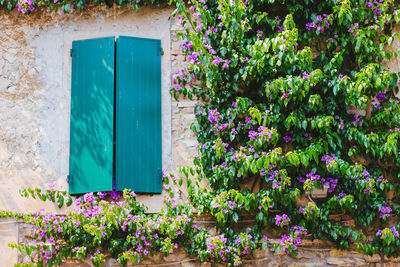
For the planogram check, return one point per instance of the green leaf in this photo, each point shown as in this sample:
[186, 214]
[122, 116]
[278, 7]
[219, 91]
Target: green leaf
[260, 163]
[235, 217]
[68, 202]
[253, 167]
[60, 201]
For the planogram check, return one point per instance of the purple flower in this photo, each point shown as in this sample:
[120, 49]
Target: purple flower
[385, 211]
[306, 75]
[223, 126]
[216, 205]
[381, 96]
[253, 134]
[395, 232]
[301, 179]
[341, 127]
[213, 115]
[101, 195]
[187, 46]
[194, 57]
[234, 105]
[114, 195]
[379, 233]
[217, 60]
[365, 173]
[282, 220]
[328, 159]
[332, 186]
[89, 198]
[226, 64]
[287, 139]
[310, 25]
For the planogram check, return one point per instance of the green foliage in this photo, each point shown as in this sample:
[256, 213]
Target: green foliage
[54, 196]
[27, 7]
[295, 98]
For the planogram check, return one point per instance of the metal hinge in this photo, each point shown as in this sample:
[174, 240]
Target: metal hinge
[159, 49]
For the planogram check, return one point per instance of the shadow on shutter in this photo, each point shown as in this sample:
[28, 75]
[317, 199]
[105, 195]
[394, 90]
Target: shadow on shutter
[138, 132]
[91, 128]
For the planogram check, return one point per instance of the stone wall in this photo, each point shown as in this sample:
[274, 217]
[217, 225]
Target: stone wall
[35, 69]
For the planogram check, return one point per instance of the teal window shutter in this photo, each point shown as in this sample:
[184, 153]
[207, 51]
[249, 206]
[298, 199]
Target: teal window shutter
[138, 115]
[92, 112]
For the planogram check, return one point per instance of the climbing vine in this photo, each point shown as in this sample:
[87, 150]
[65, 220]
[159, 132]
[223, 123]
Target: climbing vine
[293, 99]
[27, 7]
[296, 100]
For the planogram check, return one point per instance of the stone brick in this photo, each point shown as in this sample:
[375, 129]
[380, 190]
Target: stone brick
[387, 264]
[373, 258]
[305, 255]
[190, 263]
[345, 261]
[391, 259]
[338, 253]
[306, 264]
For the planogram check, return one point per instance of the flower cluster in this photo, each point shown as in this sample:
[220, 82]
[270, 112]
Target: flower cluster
[314, 180]
[289, 243]
[25, 6]
[321, 23]
[218, 249]
[311, 211]
[385, 211]
[282, 220]
[388, 233]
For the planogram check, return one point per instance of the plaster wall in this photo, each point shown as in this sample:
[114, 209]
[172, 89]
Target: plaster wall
[35, 88]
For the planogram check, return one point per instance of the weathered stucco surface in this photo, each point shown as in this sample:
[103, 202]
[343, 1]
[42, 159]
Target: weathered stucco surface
[35, 68]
